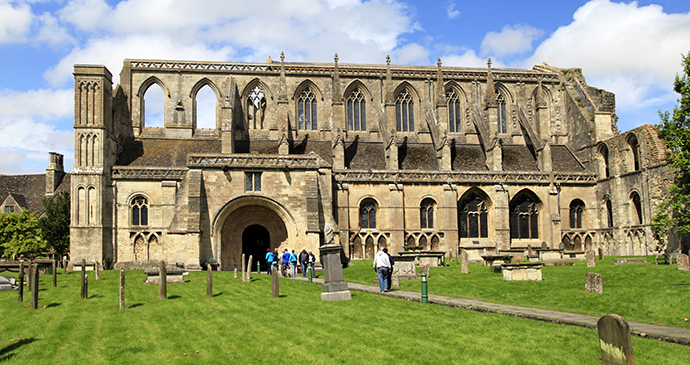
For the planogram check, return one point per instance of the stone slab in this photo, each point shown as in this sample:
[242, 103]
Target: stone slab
[336, 296]
[594, 283]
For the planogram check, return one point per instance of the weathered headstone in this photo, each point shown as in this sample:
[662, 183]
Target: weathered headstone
[464, 262]
[248, 277]
[561, 246]
[594, 283]
[244, 269]
[122, 286]
[64, 267]
[209, 283]
[95, 267]
[601, 253]
[544, 245]
[275, 288]
[615, 341]
[424, 270]
[591, 259]
[530, 251]
[334, 286]
[86, 287]
[163, 282]
[682, 262]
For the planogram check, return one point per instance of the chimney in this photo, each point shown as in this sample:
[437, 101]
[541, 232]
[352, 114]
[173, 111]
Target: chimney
[54, 172]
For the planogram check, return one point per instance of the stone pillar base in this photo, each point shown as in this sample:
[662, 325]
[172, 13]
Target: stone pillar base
[336, 296]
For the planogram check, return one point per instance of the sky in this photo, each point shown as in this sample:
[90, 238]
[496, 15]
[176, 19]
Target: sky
[632, 49]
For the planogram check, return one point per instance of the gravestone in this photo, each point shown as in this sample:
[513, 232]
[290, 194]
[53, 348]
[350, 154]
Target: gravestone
[209, 283]
[615, 341]
[163, 282]
[122, 286]
[682, 262]
[464, 262]
[544, 246]
[424, 270]
[6, 284]
[594, 283]
[561, 246]
[601, 253]
[334, 286]
[591, 259]
[275, 287]
[248, 275]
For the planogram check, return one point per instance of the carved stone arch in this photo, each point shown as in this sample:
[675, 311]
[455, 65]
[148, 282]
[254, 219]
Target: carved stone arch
[635, 153]
[405, 85]
[368, 197]
[150, 81]
[474, 219]
[354, 84]
[524, 211]
[604, 159]
[480, 192]
[458, 89]
[499, 88]
[529, 193]
[254, 83]
[204, 82]
[548, 95]
[308, 83]
[139, 245]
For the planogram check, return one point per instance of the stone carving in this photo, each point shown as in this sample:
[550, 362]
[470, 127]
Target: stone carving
[147, 173]
[584, 178]
[615, 341]
[253, 161]
[591, 259]
[594, 283]
[682, 262]
[464, 262]
[328, 233]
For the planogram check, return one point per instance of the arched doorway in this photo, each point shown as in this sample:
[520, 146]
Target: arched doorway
[255, 241]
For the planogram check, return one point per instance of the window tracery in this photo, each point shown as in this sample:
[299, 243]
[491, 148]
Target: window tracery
[306, 110]
[367, 211]
[404, 112]
[356, 111]
[256, 108]
[454, 112]
[140, 211]
[473, 217]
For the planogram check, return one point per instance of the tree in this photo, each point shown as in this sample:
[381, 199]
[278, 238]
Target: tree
[55, 223]
[674, 211]
[21, 235]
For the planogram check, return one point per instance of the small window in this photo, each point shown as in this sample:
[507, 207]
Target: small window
[140, 211]
[253, 180]
[368, 214]
[9, 208]
[577, 207]
[427, 213]
[454, 112]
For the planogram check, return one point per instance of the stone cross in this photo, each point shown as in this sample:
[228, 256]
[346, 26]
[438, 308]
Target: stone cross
[464, 262]
[591, 259]
[682, 262]
[594, 283]
[615, 341]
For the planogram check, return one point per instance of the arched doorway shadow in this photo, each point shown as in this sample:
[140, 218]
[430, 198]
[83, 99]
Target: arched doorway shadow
[256, 240]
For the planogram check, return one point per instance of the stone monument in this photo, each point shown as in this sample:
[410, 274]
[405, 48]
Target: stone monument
[615, 341]
[334, 285]
[591, 259]
[464, 262]
[594, 283]
[682, 262]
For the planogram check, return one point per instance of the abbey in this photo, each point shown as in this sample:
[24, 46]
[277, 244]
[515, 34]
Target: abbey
[405, 157]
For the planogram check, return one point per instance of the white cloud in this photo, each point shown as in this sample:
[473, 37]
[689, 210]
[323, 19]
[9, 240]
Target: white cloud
[44, 104]
[451, 12]
[467, 59]
[51, 32]
[410, 54]
[85, 14]
[628, 49]
[15, 22]
[512, 39]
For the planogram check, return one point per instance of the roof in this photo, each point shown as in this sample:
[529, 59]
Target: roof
[29, 190]
[164, 152]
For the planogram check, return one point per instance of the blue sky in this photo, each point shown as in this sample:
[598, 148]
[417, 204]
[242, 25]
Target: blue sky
[630, 48]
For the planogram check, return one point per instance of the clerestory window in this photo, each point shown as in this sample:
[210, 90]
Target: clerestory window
[306, 110]
[454, 112]
[356, 111]
[404, 112]
[140, 211]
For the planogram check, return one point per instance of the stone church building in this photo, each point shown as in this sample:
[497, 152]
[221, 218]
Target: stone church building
[405, 157]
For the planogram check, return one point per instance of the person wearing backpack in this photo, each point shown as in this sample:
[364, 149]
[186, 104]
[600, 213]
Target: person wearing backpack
[269, 261]
[293, 263]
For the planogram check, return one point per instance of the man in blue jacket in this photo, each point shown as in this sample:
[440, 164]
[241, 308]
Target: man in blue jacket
[269, 260]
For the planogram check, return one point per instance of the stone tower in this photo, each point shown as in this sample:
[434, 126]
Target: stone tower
[94, 154]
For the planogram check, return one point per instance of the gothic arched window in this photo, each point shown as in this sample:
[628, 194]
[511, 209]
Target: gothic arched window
[367, 212]
[404, 112]
[502, 117]
[635, 151]
[473, 217]
[426, 213]
[524, 218]
[140, 211]
[604, 152]
[256, 108]
[306, 110]
[454, 112]
[356, 111]
[577, 207]
[609, 213]
[637, 208]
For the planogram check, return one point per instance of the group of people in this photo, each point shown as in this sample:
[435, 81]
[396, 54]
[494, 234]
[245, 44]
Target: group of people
[383, 265]
[289, 260]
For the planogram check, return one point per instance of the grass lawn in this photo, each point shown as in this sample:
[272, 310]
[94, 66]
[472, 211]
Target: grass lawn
[242, 323]
[637, 292]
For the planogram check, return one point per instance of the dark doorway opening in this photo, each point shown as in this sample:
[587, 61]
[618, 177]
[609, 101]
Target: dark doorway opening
[255, 241]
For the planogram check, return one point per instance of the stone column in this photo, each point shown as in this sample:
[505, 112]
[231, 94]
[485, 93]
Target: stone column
[397, 216]
[334, 287]
[450, 216]
[501, 220]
